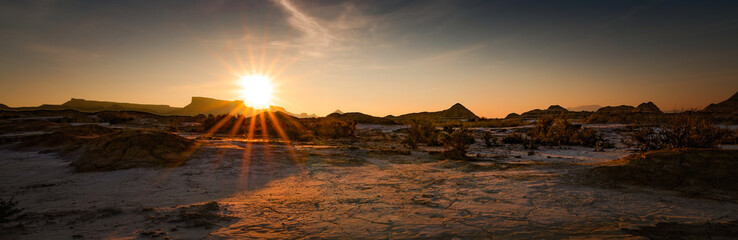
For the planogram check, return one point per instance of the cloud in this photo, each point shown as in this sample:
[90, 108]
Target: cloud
[61, 54]
[323, 36]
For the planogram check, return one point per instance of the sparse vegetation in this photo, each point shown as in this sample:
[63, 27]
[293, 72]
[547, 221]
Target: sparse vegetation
[422, 132]
[686, 130]
[457, 142]
[490, 140]
[329, 127]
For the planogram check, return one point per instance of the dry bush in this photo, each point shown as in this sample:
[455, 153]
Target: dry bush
[490, 140]
[422, 132]
[329, 127]
[514, 138]
[686, 130]
[551, 131]
[457, 142]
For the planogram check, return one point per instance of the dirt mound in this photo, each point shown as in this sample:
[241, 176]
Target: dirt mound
[694, 171]
[130, 149]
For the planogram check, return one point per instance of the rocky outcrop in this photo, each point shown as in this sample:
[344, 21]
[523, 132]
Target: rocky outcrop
[132, 149]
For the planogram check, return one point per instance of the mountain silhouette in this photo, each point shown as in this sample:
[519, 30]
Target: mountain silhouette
[203, 105]
[648, 107]
[361, 118]
[551, 110]
[94, 106]
[730, 105]
[456, 112]
[198, 105]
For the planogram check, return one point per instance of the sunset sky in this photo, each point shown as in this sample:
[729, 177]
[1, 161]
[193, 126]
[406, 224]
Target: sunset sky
[376, 57]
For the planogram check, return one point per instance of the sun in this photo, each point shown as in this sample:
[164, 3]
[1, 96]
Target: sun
[256, 91]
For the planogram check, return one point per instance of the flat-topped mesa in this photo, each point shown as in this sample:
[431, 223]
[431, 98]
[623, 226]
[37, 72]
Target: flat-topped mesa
[203, 105]
[91, 105]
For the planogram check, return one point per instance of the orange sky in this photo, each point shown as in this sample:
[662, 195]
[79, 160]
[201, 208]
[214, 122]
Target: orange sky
[379, 58]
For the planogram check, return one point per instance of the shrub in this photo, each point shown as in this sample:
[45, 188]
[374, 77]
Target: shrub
[423, 132]
[551, 131]
[686, 130]
[514, 138]
[115, 117]
[330, 127]
[490, 140]
[457, 142]
[8, 210]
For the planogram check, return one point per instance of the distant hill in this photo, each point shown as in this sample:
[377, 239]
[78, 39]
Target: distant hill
[3, 106]
[725, 112]
[198, 105]
[203, 105]
[455, 113]
[337, 111]
[648, 107]
[616, 109]
[551, 110]
[361, 118]
[94, 106]
[585, 108]
[728, 106]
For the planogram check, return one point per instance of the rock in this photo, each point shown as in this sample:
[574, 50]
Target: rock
[131, 149]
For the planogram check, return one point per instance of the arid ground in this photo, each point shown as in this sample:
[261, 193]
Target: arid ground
[367, 187]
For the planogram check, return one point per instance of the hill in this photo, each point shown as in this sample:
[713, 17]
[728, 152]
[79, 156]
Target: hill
[457, 112]
[648, 107]
[730, 105]
[198, 105]
[94, 106]
[361, 118]
[551, 110]
[203, 105]
[725, 111]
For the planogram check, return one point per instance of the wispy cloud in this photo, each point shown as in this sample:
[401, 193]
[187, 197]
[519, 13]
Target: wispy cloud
[61, 54]
[322, 37]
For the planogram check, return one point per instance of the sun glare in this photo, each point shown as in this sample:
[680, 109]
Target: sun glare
[256, 91]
